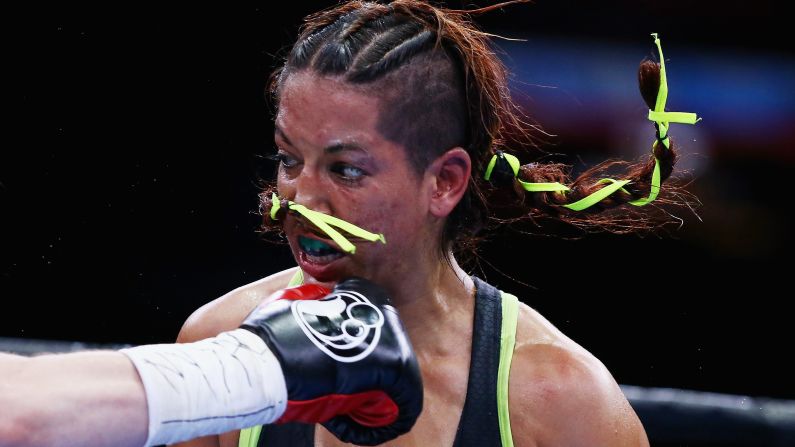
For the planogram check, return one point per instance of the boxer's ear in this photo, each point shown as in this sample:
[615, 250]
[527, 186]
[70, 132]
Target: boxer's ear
[450, 173]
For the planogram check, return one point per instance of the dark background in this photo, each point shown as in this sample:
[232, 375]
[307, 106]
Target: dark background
[129, 172]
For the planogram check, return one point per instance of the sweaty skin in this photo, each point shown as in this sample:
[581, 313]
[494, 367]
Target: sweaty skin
[560, 394]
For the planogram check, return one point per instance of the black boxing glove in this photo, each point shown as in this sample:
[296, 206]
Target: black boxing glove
[347, 360]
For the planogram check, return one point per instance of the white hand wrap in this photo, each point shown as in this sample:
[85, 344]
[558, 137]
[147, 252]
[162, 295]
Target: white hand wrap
[212, 386]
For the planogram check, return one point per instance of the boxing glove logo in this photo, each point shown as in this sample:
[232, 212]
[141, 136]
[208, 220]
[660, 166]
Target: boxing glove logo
[345, 324]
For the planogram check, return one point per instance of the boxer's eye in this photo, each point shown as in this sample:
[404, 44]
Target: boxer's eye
[285, 159]
[348, 173]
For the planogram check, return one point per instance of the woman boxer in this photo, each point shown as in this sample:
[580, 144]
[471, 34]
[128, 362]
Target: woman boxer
[392, 117]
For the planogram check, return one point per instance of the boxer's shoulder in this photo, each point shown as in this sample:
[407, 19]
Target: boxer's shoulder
[555, 381]
[228, 311]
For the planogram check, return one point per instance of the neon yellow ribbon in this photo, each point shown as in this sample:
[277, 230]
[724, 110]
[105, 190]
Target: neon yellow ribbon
[275, 205]
[673, 117]
[325, 223]
[659, 115]
[514, 163]
[655, 185]
[597, 196]
[663, 120]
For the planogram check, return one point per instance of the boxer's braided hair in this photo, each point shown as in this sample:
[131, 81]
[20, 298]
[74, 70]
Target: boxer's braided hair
[443, 86]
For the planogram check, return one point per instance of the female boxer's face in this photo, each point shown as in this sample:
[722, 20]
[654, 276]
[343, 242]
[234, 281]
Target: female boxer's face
[333, 160]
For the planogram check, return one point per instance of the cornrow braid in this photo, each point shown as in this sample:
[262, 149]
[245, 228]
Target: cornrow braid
[392, 51]
[372, 12]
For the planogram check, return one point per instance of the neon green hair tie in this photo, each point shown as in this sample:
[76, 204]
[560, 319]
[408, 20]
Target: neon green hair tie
[655, 184]
[659, 115]
[542, 187]
[663, 120]
[325, 223]
[673, 117]
[597, 196]
[515, 164]
[274, 205]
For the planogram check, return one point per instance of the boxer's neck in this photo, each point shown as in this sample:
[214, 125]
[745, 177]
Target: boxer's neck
[436, 306]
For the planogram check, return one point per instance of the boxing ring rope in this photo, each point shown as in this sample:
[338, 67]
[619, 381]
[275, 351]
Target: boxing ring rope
[25, 346]
[671, 417]
[696, 418]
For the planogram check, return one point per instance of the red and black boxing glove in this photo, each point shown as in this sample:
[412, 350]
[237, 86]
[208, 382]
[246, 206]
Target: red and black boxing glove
[346, 358]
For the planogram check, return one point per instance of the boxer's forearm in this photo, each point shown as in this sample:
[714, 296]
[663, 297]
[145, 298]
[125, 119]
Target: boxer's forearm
[85, 399]
[145, 395]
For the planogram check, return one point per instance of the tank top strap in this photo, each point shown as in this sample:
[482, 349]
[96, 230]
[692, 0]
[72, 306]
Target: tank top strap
[480, 418]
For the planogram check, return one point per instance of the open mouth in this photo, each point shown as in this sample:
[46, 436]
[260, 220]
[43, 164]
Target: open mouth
[317, 251]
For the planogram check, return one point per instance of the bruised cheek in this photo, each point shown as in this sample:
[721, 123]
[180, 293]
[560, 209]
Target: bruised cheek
[389, 207]
[392, 218]
[376, 220]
